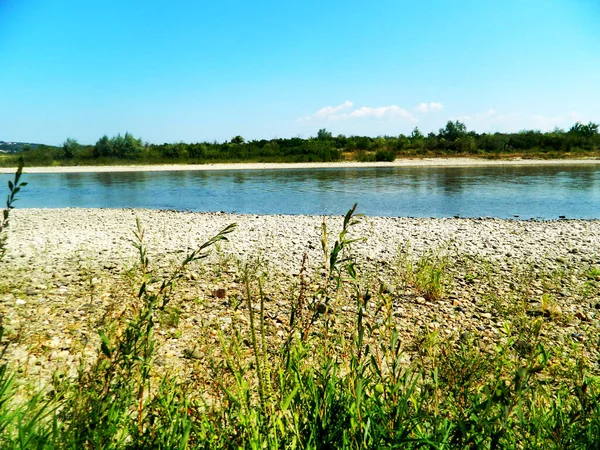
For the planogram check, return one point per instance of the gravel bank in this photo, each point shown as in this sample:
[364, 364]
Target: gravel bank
[65, 268]
[101, 236]
[415, 162]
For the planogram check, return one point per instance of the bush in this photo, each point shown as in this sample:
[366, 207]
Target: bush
[385, 155]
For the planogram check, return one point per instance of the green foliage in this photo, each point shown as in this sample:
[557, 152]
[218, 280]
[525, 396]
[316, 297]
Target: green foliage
[453, 131]
[324, 135]
[385, 155]
[123, 147]
[314, 388]
[70, 148]
[428, 275]
[454, 139]
[584, 131]
[13, 187]
[416, 134]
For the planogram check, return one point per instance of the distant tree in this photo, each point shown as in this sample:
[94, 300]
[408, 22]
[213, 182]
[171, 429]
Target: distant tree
[237, 140]
[103, 147]
[70, 148]
[340, 141]
[350, 144]
[363, 142]
[416, 134]
[585, 131]
[453, 131]
[196, 150]
[385, 155]
[378, 143]
[324, 135]
[129, 147]
[118, 146]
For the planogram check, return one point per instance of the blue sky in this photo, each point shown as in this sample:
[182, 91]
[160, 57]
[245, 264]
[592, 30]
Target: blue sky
[198, 70]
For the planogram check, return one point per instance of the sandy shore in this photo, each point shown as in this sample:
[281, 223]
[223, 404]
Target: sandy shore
[424, 162]
[66, 270]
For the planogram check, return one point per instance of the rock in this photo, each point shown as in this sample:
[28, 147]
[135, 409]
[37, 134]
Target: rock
[387, 288]
[54, 343]
[582, 316]
[578, 336]
[220, 293]
[192, 354]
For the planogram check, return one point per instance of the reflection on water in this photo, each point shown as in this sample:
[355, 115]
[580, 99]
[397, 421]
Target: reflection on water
[499, 191]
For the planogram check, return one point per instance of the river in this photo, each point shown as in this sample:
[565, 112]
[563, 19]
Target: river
[524, 192]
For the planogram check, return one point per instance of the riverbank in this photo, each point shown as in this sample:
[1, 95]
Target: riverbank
[68, 271]
[421, 162]
[458, 317]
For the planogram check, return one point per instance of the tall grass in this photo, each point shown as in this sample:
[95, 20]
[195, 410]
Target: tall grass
[328, 382]
[13, 187]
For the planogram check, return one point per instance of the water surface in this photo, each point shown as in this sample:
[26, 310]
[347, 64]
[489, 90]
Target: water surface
[496, 191]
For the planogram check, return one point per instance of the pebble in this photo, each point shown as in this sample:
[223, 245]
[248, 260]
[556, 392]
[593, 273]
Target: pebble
[387, 288]
[100, 239]
[192, 354]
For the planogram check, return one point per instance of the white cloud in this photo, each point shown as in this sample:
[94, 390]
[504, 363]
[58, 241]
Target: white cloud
[390, 112]
[328, 112]
[429, 107]
[383, 112]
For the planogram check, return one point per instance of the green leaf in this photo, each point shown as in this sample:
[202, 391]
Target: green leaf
[104, 346]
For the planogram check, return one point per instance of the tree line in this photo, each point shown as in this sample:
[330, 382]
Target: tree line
[452, 140]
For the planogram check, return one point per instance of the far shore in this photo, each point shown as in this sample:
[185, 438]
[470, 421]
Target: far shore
[421, 162]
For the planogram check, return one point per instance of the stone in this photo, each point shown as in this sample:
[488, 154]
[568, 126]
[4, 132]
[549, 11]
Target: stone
[192, 354]
[220, 293]
[578, 336]
[387, 288]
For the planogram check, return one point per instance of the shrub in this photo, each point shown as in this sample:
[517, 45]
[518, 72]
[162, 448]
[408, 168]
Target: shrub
[385, 155]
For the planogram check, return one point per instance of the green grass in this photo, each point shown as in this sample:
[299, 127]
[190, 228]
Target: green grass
[331, 380]
[315, 387]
